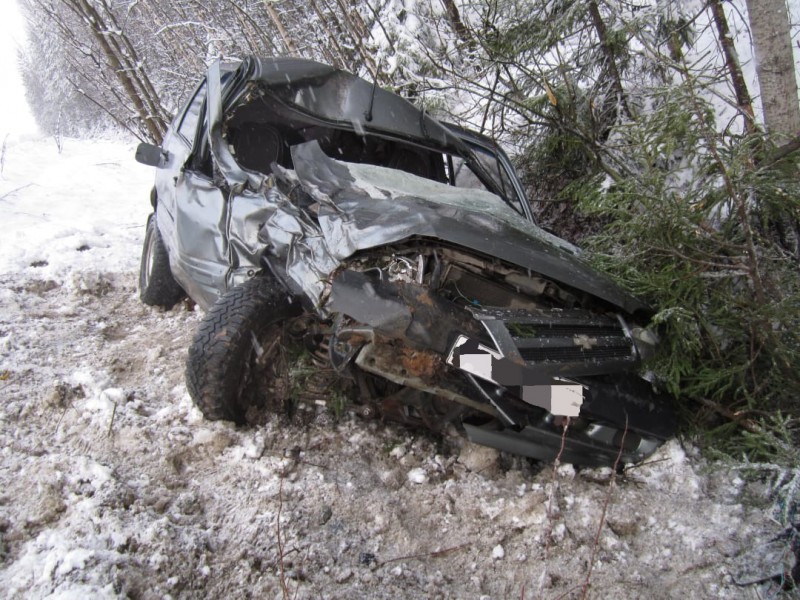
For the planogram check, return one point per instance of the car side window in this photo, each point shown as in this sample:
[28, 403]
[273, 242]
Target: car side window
[188, 125]
[465, 177]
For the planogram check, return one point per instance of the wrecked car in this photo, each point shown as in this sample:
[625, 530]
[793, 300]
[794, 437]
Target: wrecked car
[297, 201]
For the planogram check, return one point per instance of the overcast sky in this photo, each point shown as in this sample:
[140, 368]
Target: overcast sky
[15, 116]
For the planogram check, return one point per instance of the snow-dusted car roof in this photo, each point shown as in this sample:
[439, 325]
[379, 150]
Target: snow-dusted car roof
[336, 95]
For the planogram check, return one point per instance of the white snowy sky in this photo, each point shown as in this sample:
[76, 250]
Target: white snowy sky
[15, 116]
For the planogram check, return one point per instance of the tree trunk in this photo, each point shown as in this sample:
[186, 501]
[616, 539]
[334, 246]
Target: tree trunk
[147, 108]
[358, 32]
[769, 25]
[611, 60]
[291, 47]
[457, 24]
[341, 62]
[732, 63]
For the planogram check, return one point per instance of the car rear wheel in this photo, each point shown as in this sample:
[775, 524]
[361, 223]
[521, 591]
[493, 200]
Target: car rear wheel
[157, 286]
[232, 348]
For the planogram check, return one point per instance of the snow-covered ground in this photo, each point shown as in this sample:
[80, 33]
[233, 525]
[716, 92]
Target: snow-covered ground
[112, 485]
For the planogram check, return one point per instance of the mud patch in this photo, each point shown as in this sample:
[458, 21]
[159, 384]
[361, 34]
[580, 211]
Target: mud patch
[41, 287]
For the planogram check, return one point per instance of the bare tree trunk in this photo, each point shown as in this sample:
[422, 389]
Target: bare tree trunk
[454, 17]
[732, 64]
[147, 108]
[358, 31]
[247, 20]
[291, 47]
[608, 52]
[352, 62]
[332, 35]
[126, 50]
[769, 24]
[357, 26]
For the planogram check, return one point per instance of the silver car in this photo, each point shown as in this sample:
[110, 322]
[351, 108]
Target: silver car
[299, 204]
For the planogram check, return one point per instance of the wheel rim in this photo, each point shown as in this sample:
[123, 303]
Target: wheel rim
[149, 261]
[259, 371]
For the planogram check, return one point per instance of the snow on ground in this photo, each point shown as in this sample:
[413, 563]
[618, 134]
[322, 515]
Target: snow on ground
[112, 485]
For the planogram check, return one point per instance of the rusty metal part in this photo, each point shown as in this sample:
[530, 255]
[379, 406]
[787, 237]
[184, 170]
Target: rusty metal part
[381, 358]
[421, 363]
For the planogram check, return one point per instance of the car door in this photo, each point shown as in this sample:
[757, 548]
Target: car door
[190, 205]
[216, 232]
[178, 143]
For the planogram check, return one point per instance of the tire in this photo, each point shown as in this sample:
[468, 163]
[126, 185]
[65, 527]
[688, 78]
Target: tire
[221, 369]
[157, 286]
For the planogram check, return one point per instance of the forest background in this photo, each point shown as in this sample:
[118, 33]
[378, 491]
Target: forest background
[660, 135]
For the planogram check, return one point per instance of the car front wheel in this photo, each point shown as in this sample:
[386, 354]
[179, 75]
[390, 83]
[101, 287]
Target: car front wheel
[232, 349]
[157, 286]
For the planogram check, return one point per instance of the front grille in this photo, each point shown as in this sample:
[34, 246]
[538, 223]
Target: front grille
[561, 342]
[573, 354]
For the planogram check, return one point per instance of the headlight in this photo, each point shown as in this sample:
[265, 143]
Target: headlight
[645, 341]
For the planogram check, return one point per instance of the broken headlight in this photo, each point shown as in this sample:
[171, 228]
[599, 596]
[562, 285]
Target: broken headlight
[645, 340]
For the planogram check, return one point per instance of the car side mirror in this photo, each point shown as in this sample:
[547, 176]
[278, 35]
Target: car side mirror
[151, 155]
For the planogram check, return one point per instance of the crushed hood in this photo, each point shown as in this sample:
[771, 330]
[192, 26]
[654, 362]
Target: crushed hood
[365, 206]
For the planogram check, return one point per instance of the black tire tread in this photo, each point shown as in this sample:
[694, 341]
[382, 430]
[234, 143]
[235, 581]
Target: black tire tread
[160, 289]
[216, 364]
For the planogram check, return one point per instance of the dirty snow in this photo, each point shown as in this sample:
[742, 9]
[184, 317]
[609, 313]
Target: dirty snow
[112, 485]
